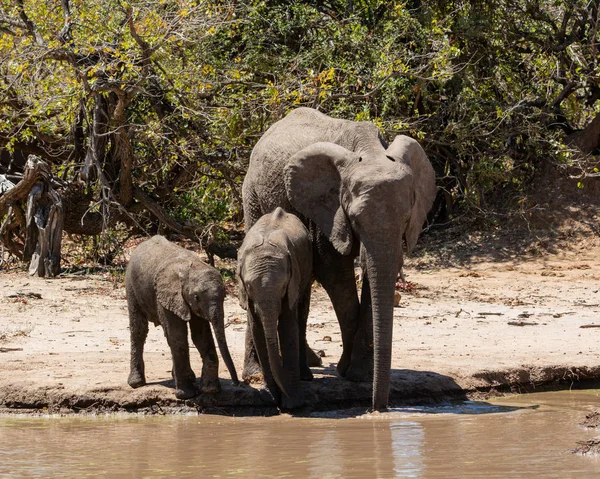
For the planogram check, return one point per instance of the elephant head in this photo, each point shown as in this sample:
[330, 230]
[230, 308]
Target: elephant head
[375, 198]
[269, 281]
[189, 289]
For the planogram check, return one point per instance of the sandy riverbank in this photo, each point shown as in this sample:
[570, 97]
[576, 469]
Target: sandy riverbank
[512, 325]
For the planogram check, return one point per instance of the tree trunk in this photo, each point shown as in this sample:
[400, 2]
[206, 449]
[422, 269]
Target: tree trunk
[44, 219]
[588, 139]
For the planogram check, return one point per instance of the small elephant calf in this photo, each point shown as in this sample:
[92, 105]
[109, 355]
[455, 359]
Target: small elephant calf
[275, 275]
[171, 286]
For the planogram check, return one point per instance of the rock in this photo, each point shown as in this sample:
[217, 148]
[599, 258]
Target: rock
[397, 297]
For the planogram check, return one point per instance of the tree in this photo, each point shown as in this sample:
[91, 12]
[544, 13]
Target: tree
[147, 111]
[99, 90]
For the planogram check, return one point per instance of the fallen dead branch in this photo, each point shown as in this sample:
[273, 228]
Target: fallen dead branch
[591, 446]
[25, 295]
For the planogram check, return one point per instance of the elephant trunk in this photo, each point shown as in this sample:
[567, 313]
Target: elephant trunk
[217, 319]
[270, 319]
[382, 275]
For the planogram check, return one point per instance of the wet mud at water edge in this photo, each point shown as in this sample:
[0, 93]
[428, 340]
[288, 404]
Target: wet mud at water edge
[518, 436]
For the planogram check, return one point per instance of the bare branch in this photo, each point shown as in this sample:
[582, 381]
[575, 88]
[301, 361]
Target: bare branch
[11, 22]
[65, 33]
[160, 213]
[567, 90]
[34, 173]
[29, 26]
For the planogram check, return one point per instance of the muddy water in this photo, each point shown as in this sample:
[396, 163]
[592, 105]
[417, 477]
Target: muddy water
[527, 436]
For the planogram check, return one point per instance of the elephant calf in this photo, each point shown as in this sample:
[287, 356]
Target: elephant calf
[274, 279]
[171, 286]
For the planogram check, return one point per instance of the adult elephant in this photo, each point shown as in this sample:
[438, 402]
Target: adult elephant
[356, 197]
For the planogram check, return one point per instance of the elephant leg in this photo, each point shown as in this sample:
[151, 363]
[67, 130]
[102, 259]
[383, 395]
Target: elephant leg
[336, 275]
[190, 375]
[203, 340]
[176, 333]
[305, 351]
[258, 336]
[252, 371]
[138, 329]
[361, 367]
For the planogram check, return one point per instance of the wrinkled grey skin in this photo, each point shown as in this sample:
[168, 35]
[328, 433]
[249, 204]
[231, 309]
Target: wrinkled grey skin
[171, 286]
[274, 279]
[353, 194]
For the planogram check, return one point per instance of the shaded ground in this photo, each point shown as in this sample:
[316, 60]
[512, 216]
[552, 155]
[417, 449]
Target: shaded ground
[484, 317]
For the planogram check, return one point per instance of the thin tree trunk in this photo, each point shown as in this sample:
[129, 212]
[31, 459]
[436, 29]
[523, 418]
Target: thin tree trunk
[123, 153]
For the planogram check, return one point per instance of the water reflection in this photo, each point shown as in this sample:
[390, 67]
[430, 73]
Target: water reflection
[318, 468]
[462, 407]
[415, 443]
[408, 440]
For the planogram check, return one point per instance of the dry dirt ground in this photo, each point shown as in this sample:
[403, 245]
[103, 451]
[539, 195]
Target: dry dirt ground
[504, 322]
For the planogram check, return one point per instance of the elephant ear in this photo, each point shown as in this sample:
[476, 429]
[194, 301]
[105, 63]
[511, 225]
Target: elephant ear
[242, 296]
[168, 285]
[313, 180]
[407, 151]
[252, 240]
[300, 266]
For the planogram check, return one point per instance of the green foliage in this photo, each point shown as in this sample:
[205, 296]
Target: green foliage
[492, 89]
[104, 249]
[205, 202]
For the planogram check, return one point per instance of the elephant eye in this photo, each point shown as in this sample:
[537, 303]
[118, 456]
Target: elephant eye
[196, 298]
[391, 158]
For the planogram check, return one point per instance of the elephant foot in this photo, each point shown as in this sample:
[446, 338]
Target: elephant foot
[305, 373]
[252, 373]
[294, 401]
[136, 379]
[266, 397]
[210, 386]
[312, 358]
[186, 392]
[359, 373]
[343, 364]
